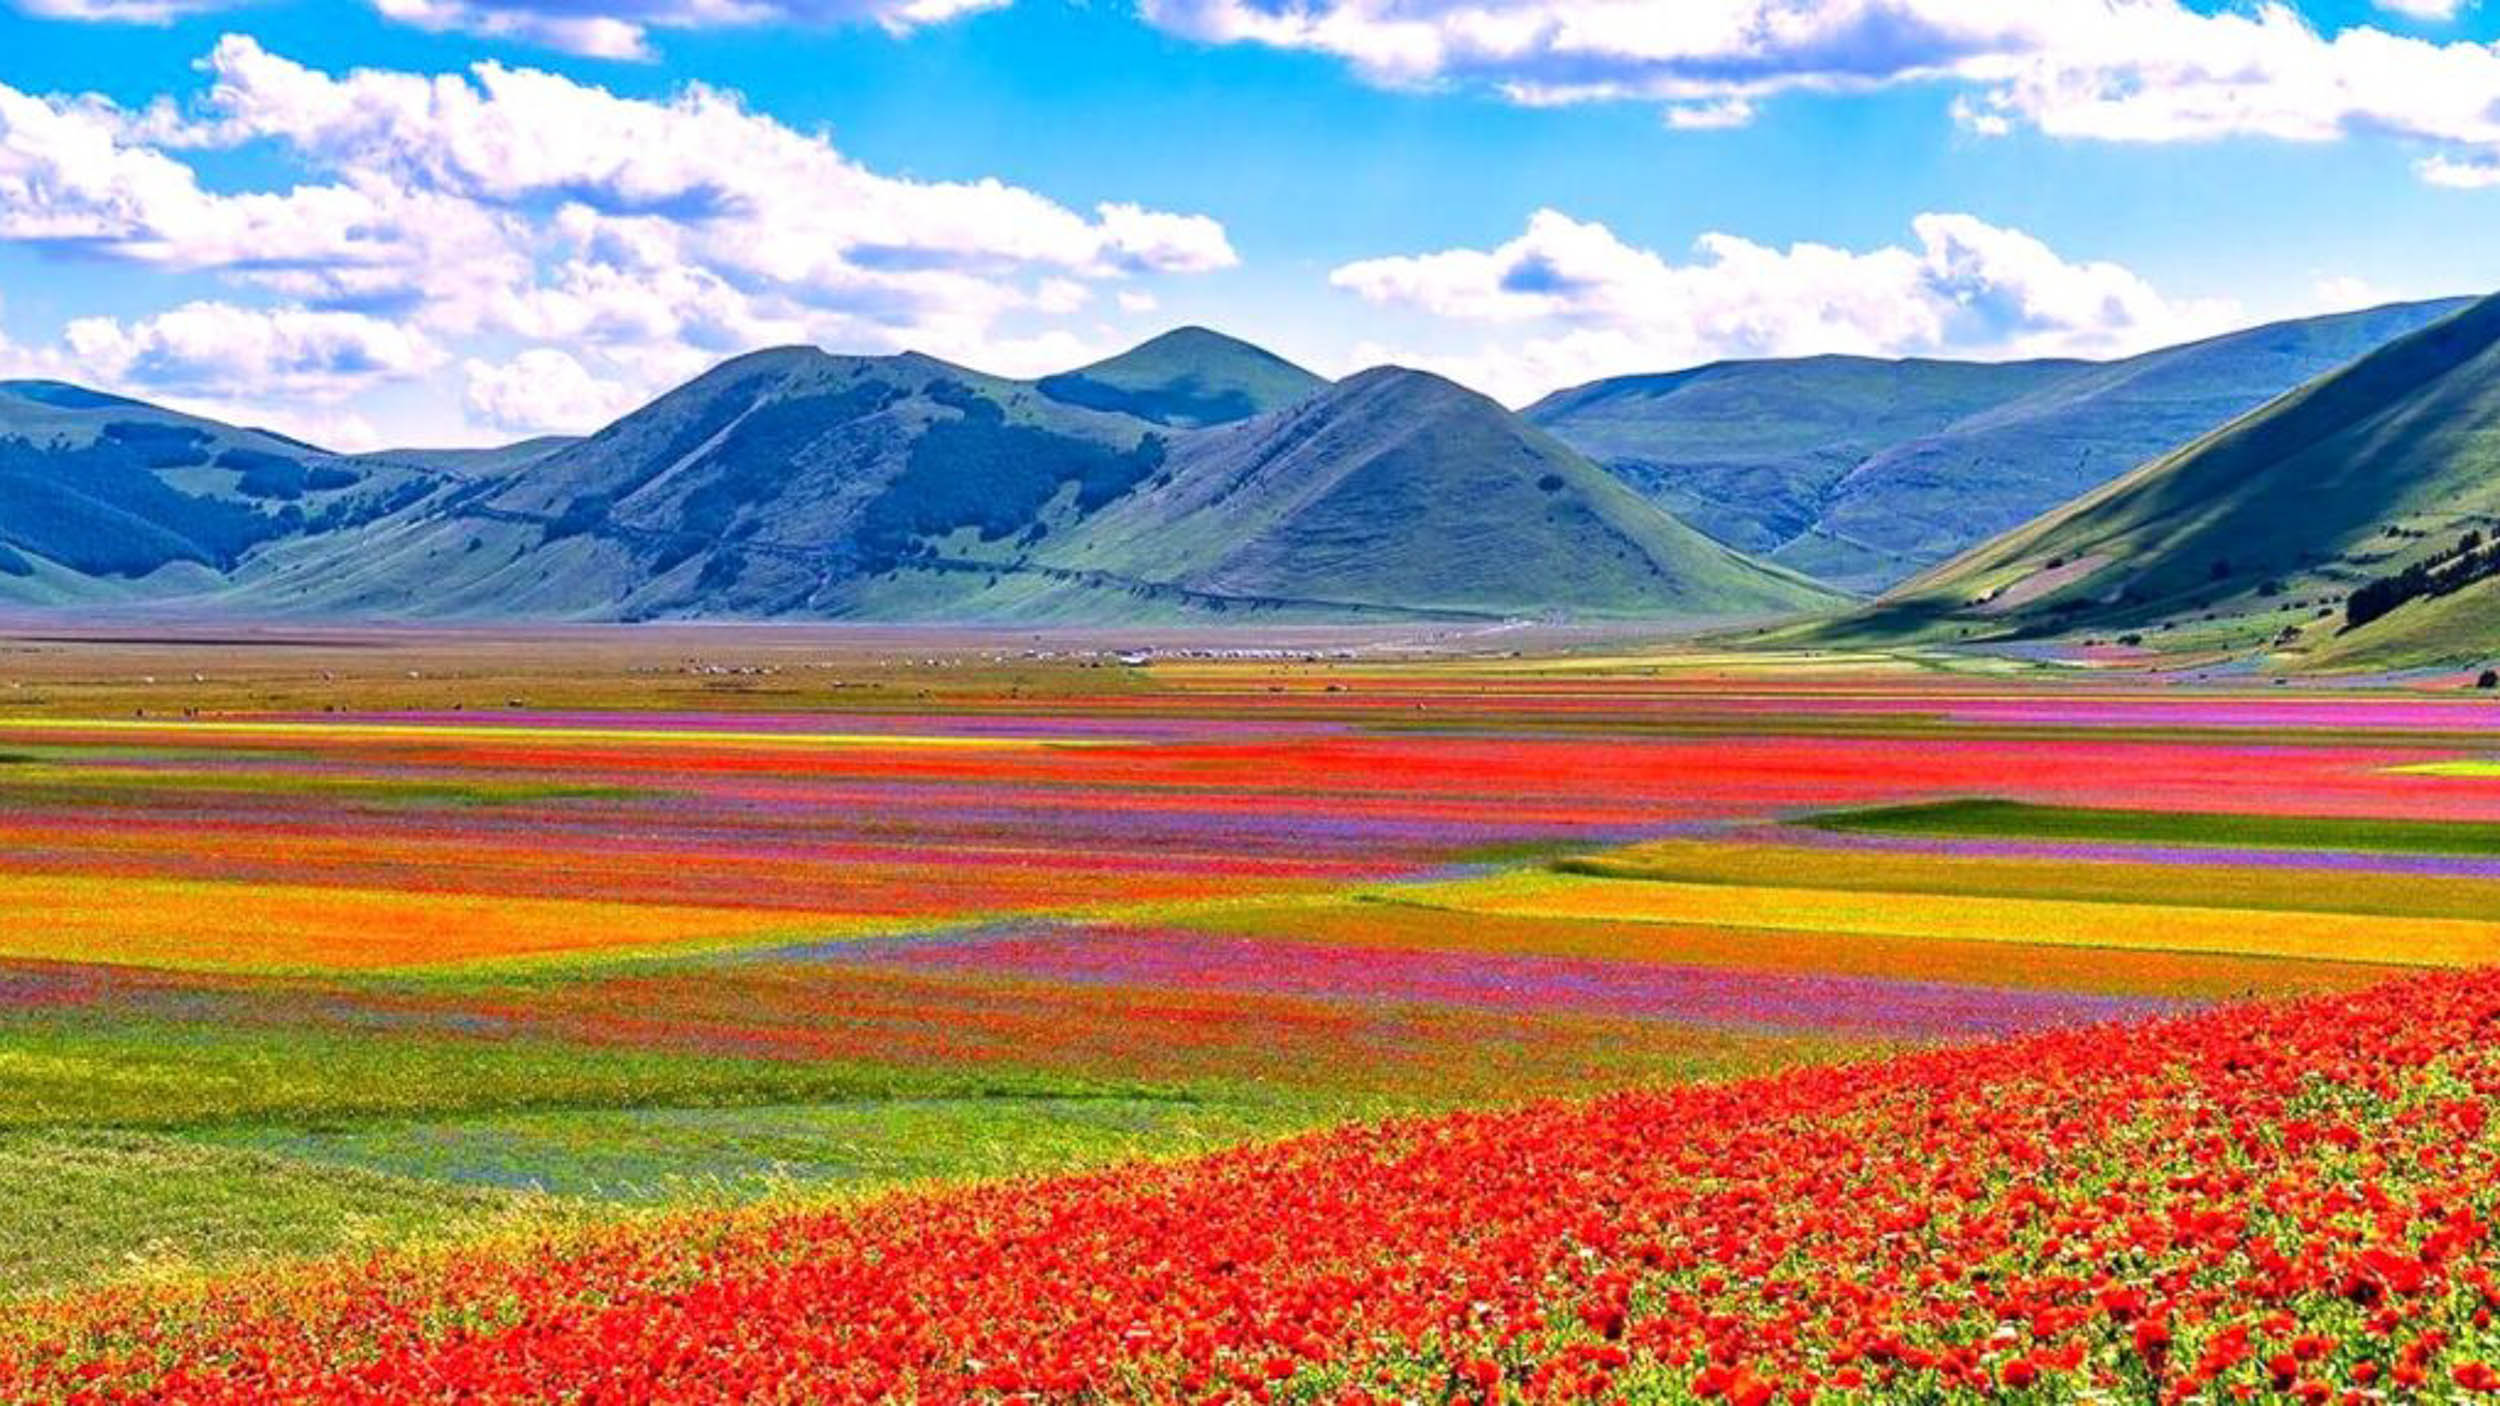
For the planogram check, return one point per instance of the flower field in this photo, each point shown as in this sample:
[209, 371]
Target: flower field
[2289, 1198]
[993, 1025]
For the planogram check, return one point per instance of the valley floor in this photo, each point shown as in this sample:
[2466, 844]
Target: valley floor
[325, 951]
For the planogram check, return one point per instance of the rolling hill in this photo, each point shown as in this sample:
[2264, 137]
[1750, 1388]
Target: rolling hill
[1863, 473]
[104, 498]
[2345, 524]
[1187, 377]
[1399, 487]
[792, 483]
[1197, 476]
[771, 485]
[1752, 451]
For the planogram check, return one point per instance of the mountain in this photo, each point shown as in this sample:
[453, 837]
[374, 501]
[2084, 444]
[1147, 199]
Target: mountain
[1189, 376]
[793, 483]
[1753, 451]
[1397, 487]
[2347, 523]
[1864, 473]
[105, 498]
[773, 484]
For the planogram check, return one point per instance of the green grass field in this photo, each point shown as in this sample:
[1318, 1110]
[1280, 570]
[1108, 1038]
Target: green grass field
[2016, 820]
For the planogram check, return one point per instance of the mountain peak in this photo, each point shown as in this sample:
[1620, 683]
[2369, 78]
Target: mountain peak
[1412, 396]
[1189, 338]
[1406, 379]
[1188, 377]
[1397, 485]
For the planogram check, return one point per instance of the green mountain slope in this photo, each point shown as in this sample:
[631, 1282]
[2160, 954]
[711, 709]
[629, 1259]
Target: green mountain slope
[795, 483]
[1865, 473]
[1753, 451]
[771, 485]
[2261, 532]
[1187, 377]
[104, 498]
[1396, 487]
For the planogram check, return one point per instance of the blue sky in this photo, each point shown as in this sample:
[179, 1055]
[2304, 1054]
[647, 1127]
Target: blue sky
[463, 220]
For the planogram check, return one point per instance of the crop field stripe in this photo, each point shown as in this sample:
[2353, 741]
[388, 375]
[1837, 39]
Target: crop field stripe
[2445, 942]
[543, 736]
[2471, 768]
[219, 925]
[1382, 920]
[2004, 819]
[2234, 881]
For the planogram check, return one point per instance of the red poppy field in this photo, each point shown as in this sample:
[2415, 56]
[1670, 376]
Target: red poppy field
[942, 1019]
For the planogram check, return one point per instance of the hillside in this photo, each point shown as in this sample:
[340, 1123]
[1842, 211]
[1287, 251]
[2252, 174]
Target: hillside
[1864, 472]
[792, 483]
[2387, 472]
[771, 485]
[1189, 376]
[1752, 452]
[104, 498]
[1399, 487]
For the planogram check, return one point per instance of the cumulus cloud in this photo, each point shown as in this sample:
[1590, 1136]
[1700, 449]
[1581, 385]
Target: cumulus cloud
[543, 390]
[698, 176]
[656, 235]
[2423, 9]
[1710, 116]
[607, 29]
[1573, 301]
[2345, 293]
[2461, 173]
[216, 349]
[120, 11]
[2115, 70]
[621, 29]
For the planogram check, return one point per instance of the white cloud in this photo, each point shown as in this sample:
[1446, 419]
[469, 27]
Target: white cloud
[1061, 296]
[606, 29]
[544, 390]
[75, 175]
[1716, 116]
[120, 11]
[621, 29]
[1137, 300]
[218, 349]
[651, 237]
[1575, 302]
[1139, 240]
[2113, 70]
[740, 188]
[2461, 173]
[2345, 293]
[2424, 9]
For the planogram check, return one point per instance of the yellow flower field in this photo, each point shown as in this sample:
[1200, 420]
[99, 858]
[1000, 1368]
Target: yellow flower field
[207, 925]
[2315, 936]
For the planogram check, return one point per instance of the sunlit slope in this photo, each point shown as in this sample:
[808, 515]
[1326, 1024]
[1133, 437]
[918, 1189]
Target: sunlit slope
[770, 486]
[1187, 376]
[1193, 477]
[103, 498]
[1865, 472]
[2257, 533]
[1753, 452]
[1397, 486]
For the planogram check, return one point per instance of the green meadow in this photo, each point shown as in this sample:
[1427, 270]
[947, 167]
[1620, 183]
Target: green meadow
[1980, 818]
